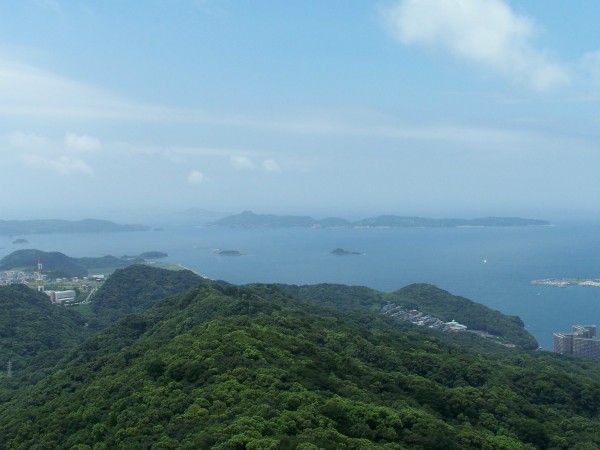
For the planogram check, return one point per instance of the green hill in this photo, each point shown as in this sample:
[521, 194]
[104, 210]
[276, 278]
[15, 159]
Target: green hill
[441, 304]
[35, 334]
[135, 290]
[55, 264]
[59, 265]
[425, 298]
[230, 367]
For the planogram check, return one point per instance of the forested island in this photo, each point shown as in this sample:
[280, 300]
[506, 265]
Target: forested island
[12, 227]
[248, 219]
[171, 360]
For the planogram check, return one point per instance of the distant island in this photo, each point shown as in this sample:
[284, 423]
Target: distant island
[229, 253]
[12, 227]
[343, 252]
[248, 219]
[20, 241]
[153, 255]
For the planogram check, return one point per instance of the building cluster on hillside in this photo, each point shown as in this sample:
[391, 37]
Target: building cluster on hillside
[417, 317]
[581, 342]
[14, 277]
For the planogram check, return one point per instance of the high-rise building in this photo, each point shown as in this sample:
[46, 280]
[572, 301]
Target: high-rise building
[563, 343]
[581, 342]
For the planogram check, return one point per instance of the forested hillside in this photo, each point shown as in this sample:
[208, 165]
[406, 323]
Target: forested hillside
[423, 297]
[135, 290]
[229, 367]
[33, 332]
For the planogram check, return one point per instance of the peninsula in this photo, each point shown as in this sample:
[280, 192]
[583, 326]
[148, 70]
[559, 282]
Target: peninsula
[248, 219]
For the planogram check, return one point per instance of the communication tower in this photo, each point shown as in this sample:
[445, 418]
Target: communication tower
[40, 277]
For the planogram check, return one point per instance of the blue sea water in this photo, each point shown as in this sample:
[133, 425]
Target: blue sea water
[493, 266]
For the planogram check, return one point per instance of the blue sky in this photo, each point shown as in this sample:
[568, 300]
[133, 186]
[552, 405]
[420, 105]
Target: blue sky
[429, 107]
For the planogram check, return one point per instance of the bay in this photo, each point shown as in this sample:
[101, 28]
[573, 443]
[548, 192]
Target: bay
[493, 266]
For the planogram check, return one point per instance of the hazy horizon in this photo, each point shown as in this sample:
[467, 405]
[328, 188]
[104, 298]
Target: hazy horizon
[438, 108]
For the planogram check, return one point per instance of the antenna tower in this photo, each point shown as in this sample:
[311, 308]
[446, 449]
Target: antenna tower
[40, 277]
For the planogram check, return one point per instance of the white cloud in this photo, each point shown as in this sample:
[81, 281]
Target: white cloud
[34, 93]
[196, 177]
[63, 165]
[271, 166]
[20, 139]
[485, 32]
[82, 142]
[241, 163]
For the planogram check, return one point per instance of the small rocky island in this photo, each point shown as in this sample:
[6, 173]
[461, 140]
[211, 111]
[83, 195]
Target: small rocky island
[228, 253]
[343, 252]
[20, 241]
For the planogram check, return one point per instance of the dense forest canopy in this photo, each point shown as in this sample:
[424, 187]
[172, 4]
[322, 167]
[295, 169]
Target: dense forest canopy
[221, 366]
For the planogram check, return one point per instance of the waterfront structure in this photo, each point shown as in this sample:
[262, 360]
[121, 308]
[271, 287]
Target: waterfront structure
[581, 342]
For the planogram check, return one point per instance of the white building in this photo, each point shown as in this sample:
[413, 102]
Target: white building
[61, 297]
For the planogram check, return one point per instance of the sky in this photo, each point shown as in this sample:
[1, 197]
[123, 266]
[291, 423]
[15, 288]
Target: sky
[442, 108]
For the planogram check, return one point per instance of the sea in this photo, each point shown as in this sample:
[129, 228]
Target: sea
[490, 265]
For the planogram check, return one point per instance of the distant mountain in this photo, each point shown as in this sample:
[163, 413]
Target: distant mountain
[248, 219]
[12, 227]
